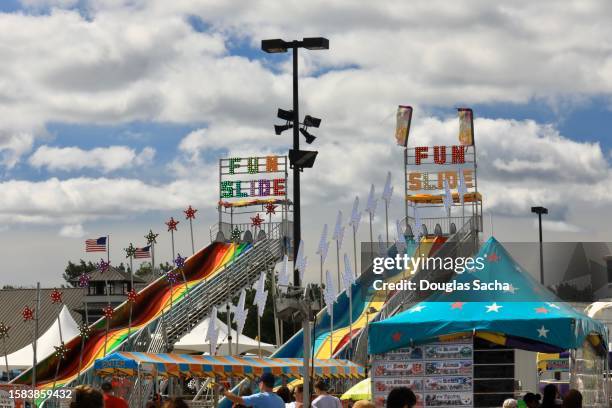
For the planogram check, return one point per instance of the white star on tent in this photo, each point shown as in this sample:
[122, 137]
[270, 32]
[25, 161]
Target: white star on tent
[553, 305]
[417, 308]
[493, 308]
[347, 275]
[283, 275]
[261, 294]
[240, 312]
[543, 332]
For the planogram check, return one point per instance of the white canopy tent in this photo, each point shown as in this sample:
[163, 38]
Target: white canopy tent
[195, 342]
[22, 359]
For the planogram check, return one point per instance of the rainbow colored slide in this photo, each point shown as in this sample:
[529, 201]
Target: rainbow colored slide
[151, 302]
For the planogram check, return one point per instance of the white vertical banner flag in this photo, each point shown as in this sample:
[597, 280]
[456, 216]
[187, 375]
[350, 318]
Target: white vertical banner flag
[418, 225]
[341, 236]
[212, 332]
[400, 242]
[448, 197]
[388, 190]
[330, 293]
[240, 313]
[283, 275]
[382, 247]
[301, 262]
[261, 294]
[323, 244]
[372, 201]
[338, 230]
[355, 215]
[347, 275]
[461, 188]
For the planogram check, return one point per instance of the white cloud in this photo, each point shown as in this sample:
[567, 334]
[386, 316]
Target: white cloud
[72, 231]
[105, 159]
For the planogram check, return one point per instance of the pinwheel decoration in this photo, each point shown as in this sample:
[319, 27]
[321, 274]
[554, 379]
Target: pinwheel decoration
[130, 251]
[84, 280]
[56, 296]
[190, 213]
[103, 266]
[256, 221]
[4, 329]
[27, 313]
[131, 296]
[172, 277]
[151, 237]
[235, 234]
[61, 351]
[84, 330]
[172, 223]
[108, 311]
[180, 261]
[270, 209]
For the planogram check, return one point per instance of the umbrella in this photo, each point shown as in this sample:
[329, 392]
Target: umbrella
[360, 391]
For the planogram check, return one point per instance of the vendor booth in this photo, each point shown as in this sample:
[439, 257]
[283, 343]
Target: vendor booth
[464, 340]
[184, 366]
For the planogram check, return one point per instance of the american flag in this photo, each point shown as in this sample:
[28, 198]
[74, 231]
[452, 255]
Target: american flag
[143, 252]
[95, 245]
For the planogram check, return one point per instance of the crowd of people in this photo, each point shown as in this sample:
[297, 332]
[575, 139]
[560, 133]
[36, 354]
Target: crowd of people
[86, 396]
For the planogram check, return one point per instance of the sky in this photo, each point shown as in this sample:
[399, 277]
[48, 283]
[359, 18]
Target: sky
[115, 113]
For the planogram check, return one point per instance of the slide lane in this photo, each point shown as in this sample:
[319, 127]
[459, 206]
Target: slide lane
[149, 305]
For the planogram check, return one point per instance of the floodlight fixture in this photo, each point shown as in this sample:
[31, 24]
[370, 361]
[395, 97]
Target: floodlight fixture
[274, 46]
[315, 43]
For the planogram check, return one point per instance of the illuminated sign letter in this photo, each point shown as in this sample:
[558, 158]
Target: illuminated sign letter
[271, 164]
[414, 181]
[234, 163]
[253, 165]
[226, 189]
[458, 154]
[239, 192]
[439, 154]
[279, 187]
[264, 188]
[253, 186]
[420, 153]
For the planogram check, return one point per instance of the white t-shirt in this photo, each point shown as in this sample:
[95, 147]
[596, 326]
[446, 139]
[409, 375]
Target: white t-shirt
[326, 401]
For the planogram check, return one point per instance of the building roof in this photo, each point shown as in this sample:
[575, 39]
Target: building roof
[14, 300]
[113, 275]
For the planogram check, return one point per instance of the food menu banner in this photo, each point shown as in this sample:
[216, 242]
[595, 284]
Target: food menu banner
[440, 374]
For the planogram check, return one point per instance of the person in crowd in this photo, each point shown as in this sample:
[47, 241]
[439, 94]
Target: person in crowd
[532, 400]
[176, 403]
[573, 399]
[245, 391]
[110, 400]
[401, 397]
[266, 398]
[324, 400]
[510, 403]
[363, 404]
[284, 393]
[298, 397]
[551, 397]
[85, 396]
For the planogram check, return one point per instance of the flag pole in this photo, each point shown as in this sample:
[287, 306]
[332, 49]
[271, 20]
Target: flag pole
[355, 248]
[35, 344]
[3, 334]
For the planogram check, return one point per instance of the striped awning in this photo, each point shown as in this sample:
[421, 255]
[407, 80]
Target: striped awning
[176, 365]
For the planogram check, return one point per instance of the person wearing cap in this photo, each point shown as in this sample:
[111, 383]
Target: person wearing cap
[266, 398]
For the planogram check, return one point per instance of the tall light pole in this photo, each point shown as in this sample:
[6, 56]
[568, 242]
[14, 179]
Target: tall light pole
[540, 211]
[281, 46]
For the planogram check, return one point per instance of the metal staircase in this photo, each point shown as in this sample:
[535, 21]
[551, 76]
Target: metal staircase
[188, 312]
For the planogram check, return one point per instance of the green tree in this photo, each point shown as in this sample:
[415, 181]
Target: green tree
[145, 268]
[74, 270]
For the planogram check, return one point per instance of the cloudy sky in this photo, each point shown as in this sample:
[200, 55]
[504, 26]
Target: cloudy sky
[114, 112]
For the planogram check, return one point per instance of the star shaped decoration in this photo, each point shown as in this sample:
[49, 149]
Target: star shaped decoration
[130, 251]
[493, 308]
[84, 280]
[84, 330]
[553, 306]
[235, 234]
[493, 257]
[151, 237]
[543, 332]
[270, 209]
[61, 351]
[172, 277]
[103, 266]
[397, 336]
[417, 308]
[171, 224]
[180, 261]
[4, 329]
[256, 221]
[131, 296]
[457, 305]
[542, 310]
[27, 313]
[190, 213]
[108, 311]
[56, 296]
